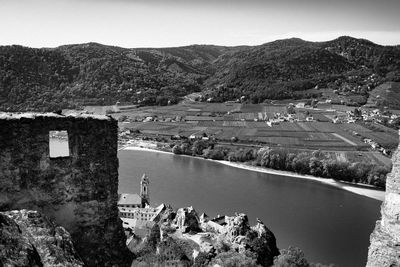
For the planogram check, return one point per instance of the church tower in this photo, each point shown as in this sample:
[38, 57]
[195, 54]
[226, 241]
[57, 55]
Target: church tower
[144, 190]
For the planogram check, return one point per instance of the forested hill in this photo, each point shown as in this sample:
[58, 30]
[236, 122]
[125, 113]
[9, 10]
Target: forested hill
[75, 75]
[84, 74]
[288, 68]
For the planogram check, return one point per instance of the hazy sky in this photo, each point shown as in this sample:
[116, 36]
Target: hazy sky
[160, 23]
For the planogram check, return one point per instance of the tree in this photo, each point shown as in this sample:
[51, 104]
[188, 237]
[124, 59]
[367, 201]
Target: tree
[234, 259]
[216, 154]
[203, 259]
[339, 170]
[177, 150]
[185, 148]
[357, 112]
[198, 147]
[316, 167]
[263, 248]
[377, 176]
[288, 163]
[291, 257]
[221, 245]
[300, 163]
[290, 109]
[360, 172]
[169, 249]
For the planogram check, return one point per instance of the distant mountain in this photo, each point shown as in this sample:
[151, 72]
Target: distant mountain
[83, 74]
[288, 68]
[75, 75]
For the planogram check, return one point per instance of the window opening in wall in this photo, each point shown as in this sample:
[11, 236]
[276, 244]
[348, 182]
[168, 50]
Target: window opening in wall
[58, 144]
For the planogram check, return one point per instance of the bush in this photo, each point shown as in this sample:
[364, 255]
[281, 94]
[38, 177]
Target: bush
[377, 176]
[233, 259]
[203, 259]
[177, 150]
[222, 246]
[291, 257]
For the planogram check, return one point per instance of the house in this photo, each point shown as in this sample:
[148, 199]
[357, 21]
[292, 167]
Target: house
[141, 214]
[309, 118]
[135, 212]
[147, 119]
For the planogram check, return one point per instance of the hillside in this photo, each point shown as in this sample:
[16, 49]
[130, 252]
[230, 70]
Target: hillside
[71, 76]
[289, 68]
[386, 94]
[84, 74]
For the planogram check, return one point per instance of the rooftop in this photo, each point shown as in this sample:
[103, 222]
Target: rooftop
[129, 199]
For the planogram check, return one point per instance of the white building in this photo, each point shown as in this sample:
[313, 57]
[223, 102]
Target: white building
[134, 208]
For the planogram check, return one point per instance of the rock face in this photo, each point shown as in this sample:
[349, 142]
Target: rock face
[29, 239]
[258, 239]
[78, 192]
[187, 220]
[236, 226]
[385, 239]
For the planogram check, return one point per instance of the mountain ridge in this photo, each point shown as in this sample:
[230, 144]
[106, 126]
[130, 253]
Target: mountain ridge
[70, 76]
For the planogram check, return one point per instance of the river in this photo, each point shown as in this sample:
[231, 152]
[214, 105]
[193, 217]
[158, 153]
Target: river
[329, 224]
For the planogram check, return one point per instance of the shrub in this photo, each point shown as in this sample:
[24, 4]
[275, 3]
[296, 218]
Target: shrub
[233, 259]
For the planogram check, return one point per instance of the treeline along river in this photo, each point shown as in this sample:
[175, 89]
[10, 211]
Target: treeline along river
[329, 224]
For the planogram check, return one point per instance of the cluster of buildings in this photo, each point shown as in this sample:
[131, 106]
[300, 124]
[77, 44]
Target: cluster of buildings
[154, 118]
[355, 84]
[364, 115]
[375, 146]
[137, 216]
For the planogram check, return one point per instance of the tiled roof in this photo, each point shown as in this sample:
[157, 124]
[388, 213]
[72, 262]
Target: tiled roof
[129, 199]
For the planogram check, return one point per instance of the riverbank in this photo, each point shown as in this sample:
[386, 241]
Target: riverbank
[359, 189]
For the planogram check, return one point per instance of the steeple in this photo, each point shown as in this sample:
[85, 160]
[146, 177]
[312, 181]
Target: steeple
[144, 190]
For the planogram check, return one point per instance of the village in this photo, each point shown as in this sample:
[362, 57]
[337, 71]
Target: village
[198, 233]
[348, 132]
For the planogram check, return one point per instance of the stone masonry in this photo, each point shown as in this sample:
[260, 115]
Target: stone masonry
[79, 192]
[384, 250]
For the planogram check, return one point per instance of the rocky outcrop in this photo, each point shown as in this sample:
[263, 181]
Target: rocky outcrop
[385, 239]
[257, 239]
[29, 239]
[260, 228]
[236, 226]
[78, 192]
[187, 220]
[209, 238]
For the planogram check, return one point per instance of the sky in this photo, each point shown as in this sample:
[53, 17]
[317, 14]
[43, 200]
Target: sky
[166, 23]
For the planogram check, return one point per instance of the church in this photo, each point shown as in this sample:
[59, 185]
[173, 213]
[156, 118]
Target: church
[135, 209]
[135, 200]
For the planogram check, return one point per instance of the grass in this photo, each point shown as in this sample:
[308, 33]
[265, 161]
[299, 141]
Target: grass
[344, 141]
[388, 93]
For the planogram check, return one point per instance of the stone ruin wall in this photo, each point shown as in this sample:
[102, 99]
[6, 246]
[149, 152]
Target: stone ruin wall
[384, 250]
[79, 192]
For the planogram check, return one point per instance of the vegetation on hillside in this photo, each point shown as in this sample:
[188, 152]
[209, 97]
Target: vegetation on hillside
[287, 68]
[93, 74]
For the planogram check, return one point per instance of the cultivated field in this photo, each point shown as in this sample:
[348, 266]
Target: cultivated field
[247, 123]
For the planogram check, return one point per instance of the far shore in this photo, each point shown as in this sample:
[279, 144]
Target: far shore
[360, 189]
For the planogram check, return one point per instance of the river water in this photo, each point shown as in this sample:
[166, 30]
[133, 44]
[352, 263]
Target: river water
[329, 224]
